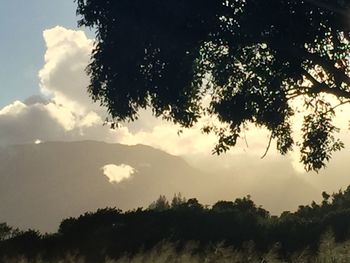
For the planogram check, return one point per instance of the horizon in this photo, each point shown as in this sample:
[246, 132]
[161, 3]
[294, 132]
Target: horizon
[45, 99]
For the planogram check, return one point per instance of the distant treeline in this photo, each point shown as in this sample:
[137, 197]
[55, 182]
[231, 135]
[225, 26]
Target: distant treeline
[112, 233]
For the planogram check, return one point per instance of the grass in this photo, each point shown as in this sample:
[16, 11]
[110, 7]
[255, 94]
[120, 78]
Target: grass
[166, 252]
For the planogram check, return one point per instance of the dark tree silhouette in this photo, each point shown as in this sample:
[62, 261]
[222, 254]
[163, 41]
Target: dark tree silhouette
[177, 201]
[161, 204]
[112, 233]
[7, 232]
[251, 58]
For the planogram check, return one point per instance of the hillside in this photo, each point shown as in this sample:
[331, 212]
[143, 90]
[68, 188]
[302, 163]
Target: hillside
[43, 183]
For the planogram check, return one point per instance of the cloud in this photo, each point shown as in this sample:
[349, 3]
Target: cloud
[20, 123]
[64, 111]
[35, 99]
[63, 76]
[118, 173]
[69, 113]
[13, 109]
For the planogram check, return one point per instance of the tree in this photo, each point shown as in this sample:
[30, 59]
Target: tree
[223, 206]
[7, 232]
[252, 58]
[177, 201]
[161, 204]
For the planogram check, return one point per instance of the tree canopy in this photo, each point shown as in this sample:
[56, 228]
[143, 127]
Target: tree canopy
[111, 235]
[252, 58]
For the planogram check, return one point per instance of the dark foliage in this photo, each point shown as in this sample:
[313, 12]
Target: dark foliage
[253, 58]
[112, 233]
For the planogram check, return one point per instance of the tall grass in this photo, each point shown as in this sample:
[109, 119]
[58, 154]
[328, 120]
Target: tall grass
[167, 252]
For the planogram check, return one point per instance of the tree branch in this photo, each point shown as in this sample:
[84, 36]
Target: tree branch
[338, 74]
[318, 87]
[268, 146]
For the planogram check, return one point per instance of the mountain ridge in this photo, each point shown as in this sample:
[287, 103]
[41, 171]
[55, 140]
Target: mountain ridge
[41, 184]
[69, 177]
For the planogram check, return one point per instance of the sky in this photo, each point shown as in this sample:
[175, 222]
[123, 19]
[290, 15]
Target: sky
[44, 98]
[22, 45]
[45, 54]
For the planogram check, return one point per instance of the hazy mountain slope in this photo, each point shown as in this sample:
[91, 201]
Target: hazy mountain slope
[43, 183]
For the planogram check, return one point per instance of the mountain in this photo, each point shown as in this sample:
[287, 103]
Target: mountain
[43, 183]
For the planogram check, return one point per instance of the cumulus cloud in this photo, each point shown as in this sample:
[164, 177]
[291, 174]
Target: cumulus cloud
[118, 173]
[13, 109]
[69, 114]
[64, 111]
[63, 76]
[20, 123]
[35, 99]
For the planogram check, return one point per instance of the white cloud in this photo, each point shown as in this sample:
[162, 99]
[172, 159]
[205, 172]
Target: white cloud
[118, 173]
[20, 123]
[63, 76]
[70, 114]
[13, 109]
[192, 141]
[63, 115]
[64, 80]
[67, 113]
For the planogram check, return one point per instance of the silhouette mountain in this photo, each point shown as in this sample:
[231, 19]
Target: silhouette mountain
[43, 183]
